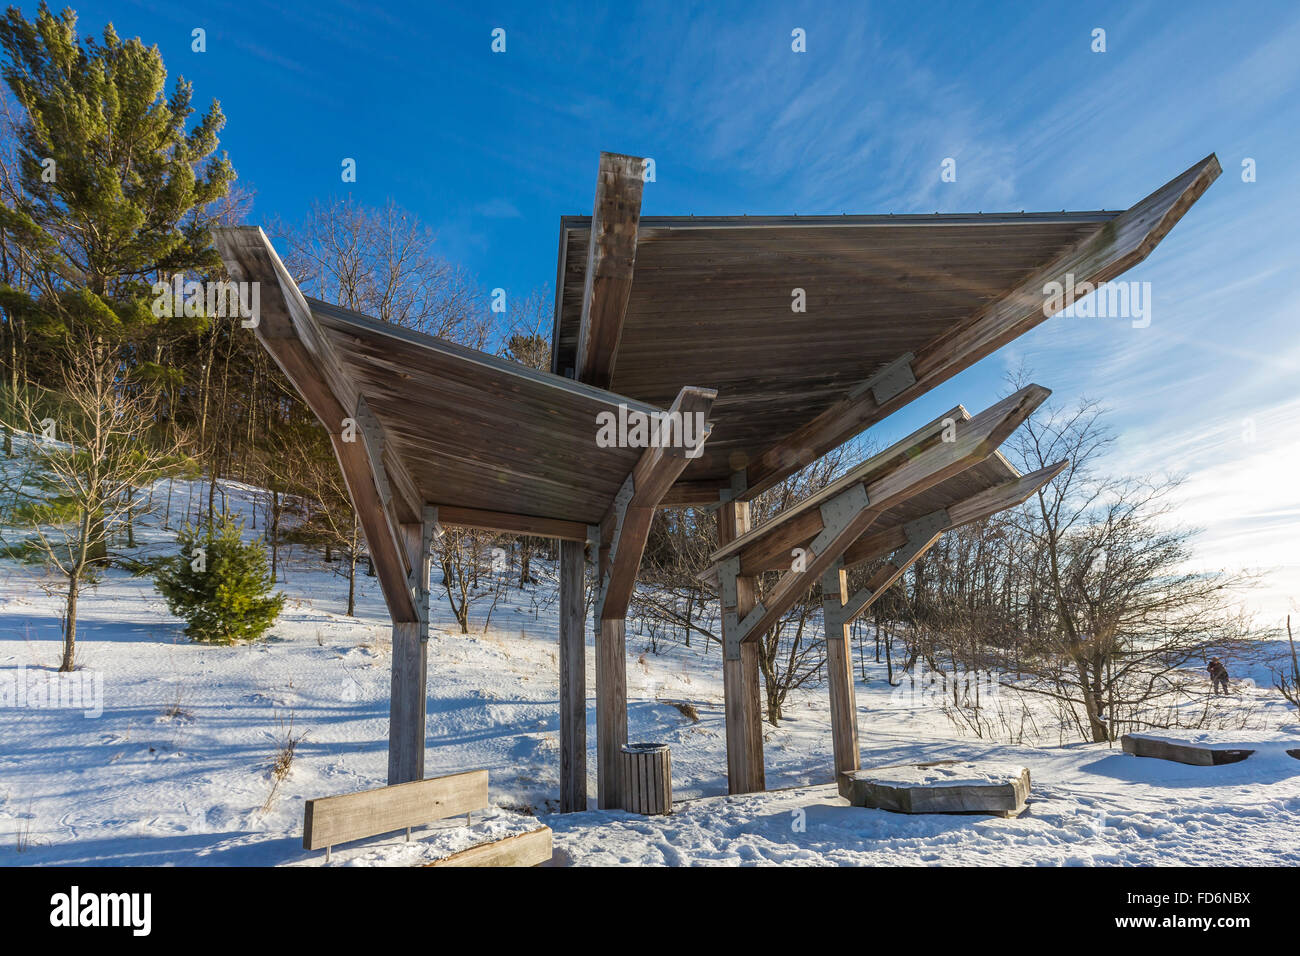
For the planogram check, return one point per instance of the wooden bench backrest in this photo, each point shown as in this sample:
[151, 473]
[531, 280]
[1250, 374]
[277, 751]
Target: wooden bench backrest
[330, 821]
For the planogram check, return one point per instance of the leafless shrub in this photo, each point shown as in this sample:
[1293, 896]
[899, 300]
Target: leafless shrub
[687, 710]
[1288, 685]
[282, 758]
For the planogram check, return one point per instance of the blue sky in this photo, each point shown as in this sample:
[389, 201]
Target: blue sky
[493, 148]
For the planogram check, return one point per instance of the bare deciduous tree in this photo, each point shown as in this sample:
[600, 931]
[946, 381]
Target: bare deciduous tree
[93, 444]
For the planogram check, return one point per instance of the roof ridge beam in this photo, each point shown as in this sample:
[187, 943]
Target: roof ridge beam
[611, 259]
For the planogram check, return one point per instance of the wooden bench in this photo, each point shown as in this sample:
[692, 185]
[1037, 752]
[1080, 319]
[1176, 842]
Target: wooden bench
[330, 821]
[1198, 755]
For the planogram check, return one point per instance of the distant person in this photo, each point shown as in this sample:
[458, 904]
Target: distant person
[1218, 676]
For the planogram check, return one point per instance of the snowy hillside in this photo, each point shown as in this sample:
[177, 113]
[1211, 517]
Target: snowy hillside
[177, 768]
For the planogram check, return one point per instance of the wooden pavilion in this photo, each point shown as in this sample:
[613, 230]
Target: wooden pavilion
[692, 316]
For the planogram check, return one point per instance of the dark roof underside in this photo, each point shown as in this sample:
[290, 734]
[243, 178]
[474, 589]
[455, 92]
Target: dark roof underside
[710, 305]
[478, 431]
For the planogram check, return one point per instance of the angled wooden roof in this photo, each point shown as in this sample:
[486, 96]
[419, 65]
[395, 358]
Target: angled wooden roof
[982, 483]
[708, 301]
[476, 431]
[418, 422]
[878, 499]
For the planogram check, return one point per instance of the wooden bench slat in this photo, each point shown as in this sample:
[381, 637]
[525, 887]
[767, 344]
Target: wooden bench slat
[522, 849]
[330, 821]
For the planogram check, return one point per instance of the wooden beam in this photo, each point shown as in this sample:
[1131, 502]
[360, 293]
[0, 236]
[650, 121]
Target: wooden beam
[885, 576]
[627, 522]
[573, 677]
[611, 258]
[985, 504]
[455, 517]
[623, 534]
[1115, 247]
[856, 506]
[769, 547]
[287, 330]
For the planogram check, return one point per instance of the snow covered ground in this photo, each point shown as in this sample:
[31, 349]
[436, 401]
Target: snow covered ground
[176, 768]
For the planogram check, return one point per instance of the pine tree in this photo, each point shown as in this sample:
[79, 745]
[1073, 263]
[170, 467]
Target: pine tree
[219, 584]
[113, 191]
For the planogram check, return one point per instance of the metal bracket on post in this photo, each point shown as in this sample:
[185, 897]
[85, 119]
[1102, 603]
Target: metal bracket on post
[729, 598]
[890, 381]
[734, 630]
[832, 609]
[739, 483]
[730, 636]
[927, 526]
[837, 513]
[747, 625]
[418, 579]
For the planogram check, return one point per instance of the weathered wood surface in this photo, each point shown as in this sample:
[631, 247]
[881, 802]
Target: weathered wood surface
[573, 677]
[839, 676]
[647, 781]
[287, 330]
[611, 259]
[1197, 755]
[510, 523]
[1006, 798]
[866, 493]
[408, 703]
[626, 524]
[611, 710]
[523, 849]
[949, 289]
[331, 821]
[740, 671]
[481, 435]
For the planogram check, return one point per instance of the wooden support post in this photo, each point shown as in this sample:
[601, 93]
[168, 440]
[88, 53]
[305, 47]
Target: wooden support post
[621, 538]
[409, 691]
[740, 672]
[573, 678]
[839, 668]
[407, 706]
[611, 711]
